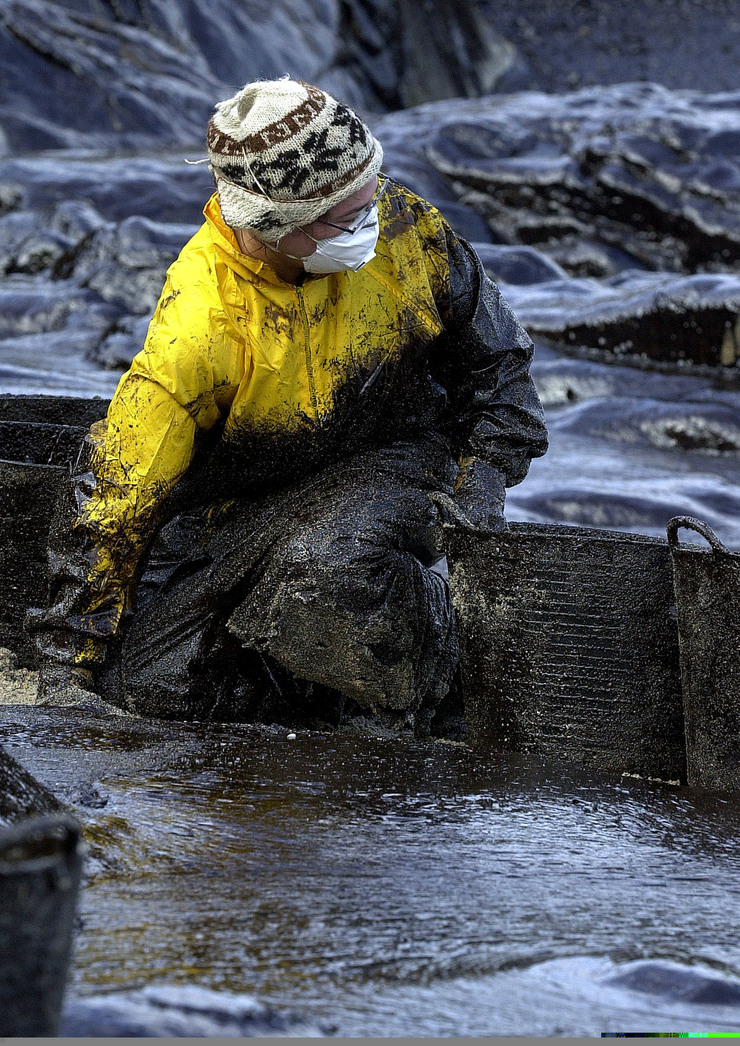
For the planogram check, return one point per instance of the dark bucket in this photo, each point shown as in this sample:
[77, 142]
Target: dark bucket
[39, 438]
[707, 583]
[40, 866]
[569, 648]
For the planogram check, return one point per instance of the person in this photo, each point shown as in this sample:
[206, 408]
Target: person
[329, 382]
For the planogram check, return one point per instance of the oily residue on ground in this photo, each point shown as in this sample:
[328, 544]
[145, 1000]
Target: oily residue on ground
[398, 887]
[387, 886]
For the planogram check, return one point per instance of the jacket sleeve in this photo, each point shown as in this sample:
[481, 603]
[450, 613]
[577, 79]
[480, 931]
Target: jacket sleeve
[129, 463]
[483, 361]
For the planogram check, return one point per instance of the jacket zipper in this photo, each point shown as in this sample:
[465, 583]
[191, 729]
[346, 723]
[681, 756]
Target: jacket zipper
[307, 344]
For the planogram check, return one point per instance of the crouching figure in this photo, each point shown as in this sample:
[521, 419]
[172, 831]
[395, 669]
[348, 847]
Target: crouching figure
[328, 383]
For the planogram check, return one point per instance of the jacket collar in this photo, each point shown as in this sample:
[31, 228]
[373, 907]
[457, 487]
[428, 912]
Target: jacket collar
[224, 240]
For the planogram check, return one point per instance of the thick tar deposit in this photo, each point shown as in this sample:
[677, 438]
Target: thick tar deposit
[661, 320]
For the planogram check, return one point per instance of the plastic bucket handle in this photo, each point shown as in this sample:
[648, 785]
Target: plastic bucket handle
[690, 523]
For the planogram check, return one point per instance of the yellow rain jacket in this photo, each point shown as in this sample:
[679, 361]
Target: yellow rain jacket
[273, 367]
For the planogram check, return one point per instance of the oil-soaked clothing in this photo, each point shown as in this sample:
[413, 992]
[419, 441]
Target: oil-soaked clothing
[328, 578]
[247, 384]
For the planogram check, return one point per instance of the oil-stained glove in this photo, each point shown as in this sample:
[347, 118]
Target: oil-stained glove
[69, 686]
[477, 506]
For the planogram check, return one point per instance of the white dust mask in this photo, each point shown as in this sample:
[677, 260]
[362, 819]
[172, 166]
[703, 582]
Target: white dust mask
[348, 251]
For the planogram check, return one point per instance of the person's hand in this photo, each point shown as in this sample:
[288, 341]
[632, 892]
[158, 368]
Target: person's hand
[477, 506]
[69, 686]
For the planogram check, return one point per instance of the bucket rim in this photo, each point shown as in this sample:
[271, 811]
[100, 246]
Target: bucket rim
[39, 842]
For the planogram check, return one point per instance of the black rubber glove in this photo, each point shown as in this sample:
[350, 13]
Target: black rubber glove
[478, 503]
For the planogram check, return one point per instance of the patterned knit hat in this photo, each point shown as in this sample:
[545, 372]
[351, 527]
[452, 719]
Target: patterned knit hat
[283, 152]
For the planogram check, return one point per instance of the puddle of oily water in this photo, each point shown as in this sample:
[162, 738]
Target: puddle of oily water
[388, 886]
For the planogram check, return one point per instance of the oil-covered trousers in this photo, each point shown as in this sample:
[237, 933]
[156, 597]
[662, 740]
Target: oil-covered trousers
[328, 578]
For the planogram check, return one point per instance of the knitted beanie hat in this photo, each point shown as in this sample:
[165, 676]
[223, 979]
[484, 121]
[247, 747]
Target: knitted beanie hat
[283, 152]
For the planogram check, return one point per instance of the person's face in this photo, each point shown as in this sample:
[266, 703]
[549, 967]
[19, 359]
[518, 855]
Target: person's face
[340, 218]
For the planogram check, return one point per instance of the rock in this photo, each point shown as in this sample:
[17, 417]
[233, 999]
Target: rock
[107, 75]
[571, 44]
[519, 265]
[121, 343]
[38, 252]
[28, 244]
[671, 981]
[56, 361]
[641, 508]
[168, 1011]
[647, 177]
[11, 196]
[633, 175]
[74, 219]
[392, 55]
[642, 315]
[704, 428]
[593, 183]
[35, 240]
[39, 306]
[125, 75]
[79, 192]
[21, 795]
[125, 264]
[60, 91]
